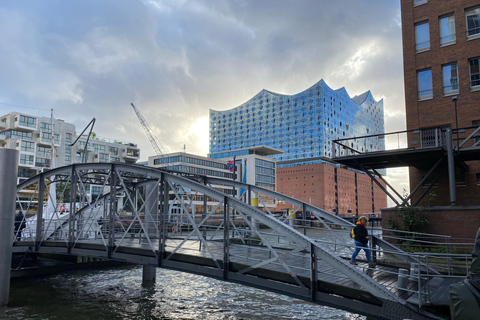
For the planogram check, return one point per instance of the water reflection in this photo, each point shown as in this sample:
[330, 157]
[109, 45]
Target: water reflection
[118, 294]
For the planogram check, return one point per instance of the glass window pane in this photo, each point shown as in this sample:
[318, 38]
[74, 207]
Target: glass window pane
[422, 36]
[450, 78]
[424, 84]
[473, 21]
[474, 72]
[419, 2]
[447, 30]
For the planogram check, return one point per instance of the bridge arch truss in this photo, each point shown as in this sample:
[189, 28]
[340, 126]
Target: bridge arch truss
[124, 212]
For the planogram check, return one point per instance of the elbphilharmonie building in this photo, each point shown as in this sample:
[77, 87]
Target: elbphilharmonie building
[301, 125]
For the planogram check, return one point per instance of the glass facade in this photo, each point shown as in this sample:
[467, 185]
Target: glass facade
[301, 125]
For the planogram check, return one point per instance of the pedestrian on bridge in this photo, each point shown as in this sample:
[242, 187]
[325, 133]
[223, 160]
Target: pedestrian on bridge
[19, 225]
[361, 238]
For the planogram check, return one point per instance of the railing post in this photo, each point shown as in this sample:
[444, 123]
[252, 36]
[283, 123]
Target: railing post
[204, 214]
[72, 215]
[451, 167]
[226, 244]
[313, 273]
[151, 209]
[113, 210]
[163, 219]
[39, 226]
[8, 191]
[304, 209]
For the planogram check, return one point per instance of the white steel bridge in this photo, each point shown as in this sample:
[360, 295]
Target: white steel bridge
[130, 220]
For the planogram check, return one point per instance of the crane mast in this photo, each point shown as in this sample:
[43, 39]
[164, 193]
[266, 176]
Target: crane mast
[157, 146]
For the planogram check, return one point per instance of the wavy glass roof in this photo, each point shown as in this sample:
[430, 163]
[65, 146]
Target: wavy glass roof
[301, 125]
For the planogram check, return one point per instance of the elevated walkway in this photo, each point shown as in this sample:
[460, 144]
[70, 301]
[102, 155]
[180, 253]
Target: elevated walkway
[436, 151]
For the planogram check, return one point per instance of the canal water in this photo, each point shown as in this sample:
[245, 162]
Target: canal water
[118, 294]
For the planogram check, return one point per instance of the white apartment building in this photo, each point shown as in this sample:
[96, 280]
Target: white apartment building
[32, 137]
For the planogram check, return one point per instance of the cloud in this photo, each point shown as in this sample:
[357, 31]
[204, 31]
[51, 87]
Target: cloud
[175, 60]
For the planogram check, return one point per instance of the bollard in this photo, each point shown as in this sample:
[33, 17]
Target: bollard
[402, 282]
[8, 190]
[149, 275]
[413, 271]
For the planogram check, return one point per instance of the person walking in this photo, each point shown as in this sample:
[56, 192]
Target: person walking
[19, 225]
[361, 238]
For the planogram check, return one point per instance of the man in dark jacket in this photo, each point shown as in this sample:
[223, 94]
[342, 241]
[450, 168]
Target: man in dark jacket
[361, 240]
[19, 225]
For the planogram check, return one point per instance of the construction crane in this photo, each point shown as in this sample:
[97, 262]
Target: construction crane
[157, 146]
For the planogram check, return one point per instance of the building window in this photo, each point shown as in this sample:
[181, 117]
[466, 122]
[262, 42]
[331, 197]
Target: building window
[27, 146]
[113, 150]
[476, 137]
[422, 36]
[447, 30]
[473, 22]
[474, 73]
[45, 126]
[42, 151]
[68, 138]
[42, 162]
[26, 159]
[103, 157]
[419, 2]
[450, 79]
[28, 122]
[424, 82]
[98, 148]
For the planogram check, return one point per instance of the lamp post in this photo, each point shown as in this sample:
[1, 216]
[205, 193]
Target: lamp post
[454, 99]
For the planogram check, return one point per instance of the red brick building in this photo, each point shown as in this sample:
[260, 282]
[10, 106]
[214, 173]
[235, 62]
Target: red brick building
[441, 51]
[315, 184]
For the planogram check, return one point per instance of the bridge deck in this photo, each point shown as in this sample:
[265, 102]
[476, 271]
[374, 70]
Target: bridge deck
[242, 256]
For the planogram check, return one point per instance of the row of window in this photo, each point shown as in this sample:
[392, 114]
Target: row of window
[449, 79]
[263, 163]
[29, 160]
[447, 29]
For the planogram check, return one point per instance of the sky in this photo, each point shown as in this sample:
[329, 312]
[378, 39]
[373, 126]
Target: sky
[176, 59]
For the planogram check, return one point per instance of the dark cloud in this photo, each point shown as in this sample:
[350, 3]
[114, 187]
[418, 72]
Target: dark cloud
[176, 59]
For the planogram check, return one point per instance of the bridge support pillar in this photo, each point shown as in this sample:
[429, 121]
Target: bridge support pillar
[8, 190]
[149, 276]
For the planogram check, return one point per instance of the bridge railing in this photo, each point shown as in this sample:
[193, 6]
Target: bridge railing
[408, 139]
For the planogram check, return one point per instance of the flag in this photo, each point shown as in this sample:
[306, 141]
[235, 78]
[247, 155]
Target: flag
[231, 165]
[244, 180]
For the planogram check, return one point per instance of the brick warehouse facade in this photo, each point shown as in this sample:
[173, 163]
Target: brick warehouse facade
[315, 184]
[441, 50]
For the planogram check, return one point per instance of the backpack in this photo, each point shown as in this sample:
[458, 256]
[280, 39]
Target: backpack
[352, 233]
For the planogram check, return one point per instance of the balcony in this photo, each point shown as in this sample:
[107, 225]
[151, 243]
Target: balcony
[25, 123]
[131, 153]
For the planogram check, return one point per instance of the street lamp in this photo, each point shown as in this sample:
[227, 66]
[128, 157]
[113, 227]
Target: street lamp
[454, 99]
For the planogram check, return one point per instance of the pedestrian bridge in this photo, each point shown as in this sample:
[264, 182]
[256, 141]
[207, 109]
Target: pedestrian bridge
[173, 220]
